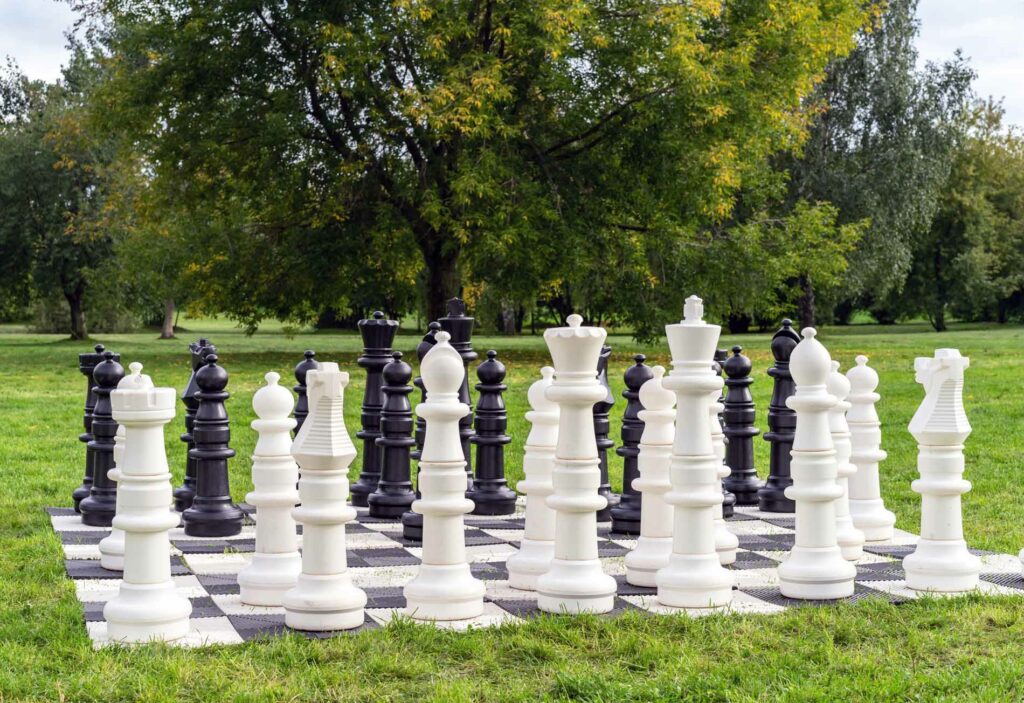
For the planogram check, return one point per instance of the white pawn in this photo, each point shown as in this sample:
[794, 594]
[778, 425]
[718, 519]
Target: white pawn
[866, 505]
[575, 581]
[538, 545]
[147, 606]
[444, 587]
[726, 542]
[112, 546]
[275, 565]
[324, 597]
[941, 561]
[815, 568]
[851, 540]
[654, 546]
[694, 576]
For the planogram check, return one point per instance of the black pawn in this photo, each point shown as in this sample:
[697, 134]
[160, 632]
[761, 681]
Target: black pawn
[212, 513]
[781, 425]
[184, 493]
[301, 400]
[739, 430]
[626, 515]
[98, 507]
[602, 427]
[378, 333]
[412, 523]
[490, 493]
[86, 364]
[728, 499]
[460, 326]
[394, 494]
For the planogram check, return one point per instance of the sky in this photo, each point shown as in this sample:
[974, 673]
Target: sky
[990, 32]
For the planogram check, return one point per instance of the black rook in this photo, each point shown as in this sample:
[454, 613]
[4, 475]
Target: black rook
[626, 515]
[781, 425]
[490, 493]
[460, 326]
[378, 333]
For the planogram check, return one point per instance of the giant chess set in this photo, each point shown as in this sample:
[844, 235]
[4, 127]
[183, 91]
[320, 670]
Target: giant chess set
[694, 531]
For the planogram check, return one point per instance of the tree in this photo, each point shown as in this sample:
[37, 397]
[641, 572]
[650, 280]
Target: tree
[329, 141]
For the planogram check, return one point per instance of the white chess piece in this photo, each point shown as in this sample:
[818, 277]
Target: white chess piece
[851, 540]
[694, 576]
[815, 568]
[147, 606]
[275, 565]
[112, 546]
[726, 542]
[444, 587]
[866, 505]
[941, 561]
[538, 545]
[324, 597]
[575, 581]
[654, 546]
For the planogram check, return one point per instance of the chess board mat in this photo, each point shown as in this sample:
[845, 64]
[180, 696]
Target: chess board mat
[381, 562]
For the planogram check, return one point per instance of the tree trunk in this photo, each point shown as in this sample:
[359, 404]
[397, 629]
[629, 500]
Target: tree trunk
[806, 302]
[739, 323]
[442, 275]
[939, 309]
[75, 302]
[508, 319]
[167, 328]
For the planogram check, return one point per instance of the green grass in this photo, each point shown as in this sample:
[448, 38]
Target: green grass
[967, 649]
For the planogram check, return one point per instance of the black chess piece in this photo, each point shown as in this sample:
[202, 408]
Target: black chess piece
[99, 506]
[781, 425]
[301, 400]
[412, 523]
[394, 494]
[460, 326]
[490, 493]
[728, 499]
[184, 493]
[602, 426]
[626, 515]
[212, 514]
[378, 334]
[739, 430]
[86, 364]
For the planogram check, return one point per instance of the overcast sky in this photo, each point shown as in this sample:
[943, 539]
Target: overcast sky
[990, 32]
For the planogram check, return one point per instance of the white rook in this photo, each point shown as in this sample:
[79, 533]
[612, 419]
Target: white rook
[866, 505]
[538, 545]
[444, 587]
[851, 540]
[726, 542]
[815, 568]
[147, 606]
[112, 546]
[694, 576]
[276, 563]
[654, 546]
[575, 581]
[941, 561]
[324, 597]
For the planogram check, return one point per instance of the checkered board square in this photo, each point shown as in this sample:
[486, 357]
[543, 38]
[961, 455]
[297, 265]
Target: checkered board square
[382, 561]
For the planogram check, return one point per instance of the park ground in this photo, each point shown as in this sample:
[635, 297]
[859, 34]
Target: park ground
[962, 649]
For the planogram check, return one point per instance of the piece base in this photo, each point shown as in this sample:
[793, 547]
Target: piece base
[526, 566]
[576, 587]
[444, 592]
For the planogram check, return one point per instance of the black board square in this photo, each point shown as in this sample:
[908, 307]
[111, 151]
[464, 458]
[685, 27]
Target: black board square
[385, 597]
[624, 588]
[489, 570]
[220, 584]
[1012, 580]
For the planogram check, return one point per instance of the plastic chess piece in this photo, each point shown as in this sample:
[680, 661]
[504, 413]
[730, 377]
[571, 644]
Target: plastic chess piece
[394, 495]
[851, 540]
[378, 334]
[626, 515]
[738, 415]
[491, 494]
[726, 542]
[275, 564]
[301, 400]
[719, 438]
[86, 364]
[537, 547]
[771, 498]
[815, 568]
[184, 493]
[99, 506]
[866, 505]
[444, 587]
[412, 522]
[654, 546]
[694, 576]
[324, 597]
[941, 561]
[602, 427]
[460, 326]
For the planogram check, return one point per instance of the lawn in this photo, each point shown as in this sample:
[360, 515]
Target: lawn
[966, 649]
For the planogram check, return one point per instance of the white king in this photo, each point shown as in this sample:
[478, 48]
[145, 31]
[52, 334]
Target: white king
[444, 587]
[538, 545]
[694, 576]
[575, 581]
[324, 597]
[276, 563]
[941, 561]
[146, 607]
